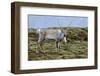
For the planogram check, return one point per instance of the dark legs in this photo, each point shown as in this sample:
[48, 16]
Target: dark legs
[40, 49]
[57, 46]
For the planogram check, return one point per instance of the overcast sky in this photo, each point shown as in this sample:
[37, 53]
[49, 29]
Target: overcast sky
[40, 21]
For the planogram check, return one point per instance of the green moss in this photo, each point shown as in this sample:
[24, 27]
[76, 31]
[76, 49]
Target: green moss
[75, 48]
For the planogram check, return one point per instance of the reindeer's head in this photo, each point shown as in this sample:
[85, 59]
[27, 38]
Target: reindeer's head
[64, 34]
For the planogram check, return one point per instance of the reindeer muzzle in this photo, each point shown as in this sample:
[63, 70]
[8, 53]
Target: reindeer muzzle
[65, 39]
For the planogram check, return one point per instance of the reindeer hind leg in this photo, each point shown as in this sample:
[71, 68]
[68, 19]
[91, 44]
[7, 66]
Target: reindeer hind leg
[57, 46]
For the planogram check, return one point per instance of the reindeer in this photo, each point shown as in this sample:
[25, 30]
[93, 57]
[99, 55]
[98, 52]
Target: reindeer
[55, 34]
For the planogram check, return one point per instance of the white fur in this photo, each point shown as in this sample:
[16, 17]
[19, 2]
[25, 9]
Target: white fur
[65, 39]
[38, 30]
[59, 30]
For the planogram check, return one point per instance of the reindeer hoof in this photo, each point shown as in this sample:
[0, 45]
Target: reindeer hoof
[37, 52]
[42, 52]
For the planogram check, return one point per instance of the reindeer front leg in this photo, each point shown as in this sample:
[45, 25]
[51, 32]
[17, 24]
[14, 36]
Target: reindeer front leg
[41, 38]
[40, 47]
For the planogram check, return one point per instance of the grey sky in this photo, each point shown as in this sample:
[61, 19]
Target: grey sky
[40, 21]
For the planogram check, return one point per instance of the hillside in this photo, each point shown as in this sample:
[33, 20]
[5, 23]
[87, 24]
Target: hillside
[76, 46]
